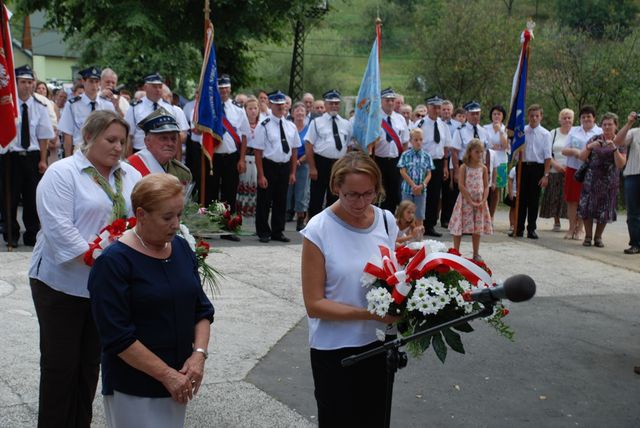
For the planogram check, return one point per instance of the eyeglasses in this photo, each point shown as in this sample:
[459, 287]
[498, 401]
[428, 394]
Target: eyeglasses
[419, 116]
[355, 196]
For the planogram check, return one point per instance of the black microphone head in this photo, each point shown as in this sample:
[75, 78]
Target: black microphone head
[519, 288]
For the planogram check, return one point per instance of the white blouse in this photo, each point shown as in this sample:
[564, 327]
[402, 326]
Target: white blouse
[72, 209]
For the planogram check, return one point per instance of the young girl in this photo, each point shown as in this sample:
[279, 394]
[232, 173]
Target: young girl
[410, 228]
[510, 198]
[471, 212]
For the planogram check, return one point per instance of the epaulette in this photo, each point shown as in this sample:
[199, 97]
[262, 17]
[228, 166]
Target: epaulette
[236, 104]
[135, 103]
[422, 123]
[38, 101]
[75, 99]
[264, 122]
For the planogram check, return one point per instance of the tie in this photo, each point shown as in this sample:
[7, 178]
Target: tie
[283, 139]
[475, 131]
[93, 105]
[436, 132]
[25, 138]
[389, 139]
[155, 106]
[336, 134]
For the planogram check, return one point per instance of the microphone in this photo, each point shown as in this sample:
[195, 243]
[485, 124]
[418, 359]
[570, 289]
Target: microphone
[518, 288]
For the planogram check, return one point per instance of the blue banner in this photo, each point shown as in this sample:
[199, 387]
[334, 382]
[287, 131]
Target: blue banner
[517, 112]
[366, 123]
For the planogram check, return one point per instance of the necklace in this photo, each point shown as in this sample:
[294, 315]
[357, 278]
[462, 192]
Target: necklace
[135, 232]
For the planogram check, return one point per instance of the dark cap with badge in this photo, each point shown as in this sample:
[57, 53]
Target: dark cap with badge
[224, 81]
[153, 79]
[388, 93]
[434, 100]
[159, 121]
[472, 106]
[90, 73]
[332, 95]
[24, 72]
[277, 97]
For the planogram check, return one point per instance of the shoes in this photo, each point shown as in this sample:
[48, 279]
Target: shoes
[444, 225]
[586, 242]
[281, 238]
[556, 227]
[289, 216]
[432, 232]
[568, 235]
[478, 258]
[578, 236]
[532, 235]
[264, 239]
[636, 369]
[597, 242]
[633, 250]
[233, 238]
[12, 244]
[299, 224]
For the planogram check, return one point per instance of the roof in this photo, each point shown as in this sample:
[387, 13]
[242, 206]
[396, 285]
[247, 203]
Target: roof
[47, 42]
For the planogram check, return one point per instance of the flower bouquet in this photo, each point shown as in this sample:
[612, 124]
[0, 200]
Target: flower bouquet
[425, 285]
[106, 237]
[216, 218]
[208, 274]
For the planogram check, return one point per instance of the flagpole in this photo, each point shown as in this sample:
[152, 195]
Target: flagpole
[207, 22]
[8, 220]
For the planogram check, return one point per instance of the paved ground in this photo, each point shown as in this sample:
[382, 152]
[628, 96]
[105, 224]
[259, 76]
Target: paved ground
[571, 363]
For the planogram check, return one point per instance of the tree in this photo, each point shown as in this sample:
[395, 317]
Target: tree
[141, 36]
[594, 16]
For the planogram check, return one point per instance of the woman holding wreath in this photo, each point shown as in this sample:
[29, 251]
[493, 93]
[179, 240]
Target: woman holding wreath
[76, 197]
[336, 247]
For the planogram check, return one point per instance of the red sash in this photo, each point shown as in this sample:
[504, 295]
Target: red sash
[390, 132]
[231, 131]
[137, 162]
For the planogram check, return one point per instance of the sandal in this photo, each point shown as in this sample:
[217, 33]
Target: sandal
[597, 242]
[568, 235]
[586, 242]
[478, 258]
[556, 228]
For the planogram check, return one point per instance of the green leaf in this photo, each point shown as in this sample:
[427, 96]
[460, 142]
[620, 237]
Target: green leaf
[453, 340]
[439, 347]
[465, 328]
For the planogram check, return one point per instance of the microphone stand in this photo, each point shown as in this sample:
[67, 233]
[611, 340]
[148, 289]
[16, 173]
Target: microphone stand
[397, 359]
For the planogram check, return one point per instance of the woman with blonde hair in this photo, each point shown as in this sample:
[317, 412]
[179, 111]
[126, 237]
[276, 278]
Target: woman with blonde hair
[337, 244]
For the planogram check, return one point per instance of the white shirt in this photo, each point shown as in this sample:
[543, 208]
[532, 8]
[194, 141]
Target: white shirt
[558, 141]
[537, 144]
[50, 108]
[453, 126]
[495, 143]
[577, 139]
[435, 150]
[40, 127]
[388, 149]
[346, 251]
[320, 136]
[76, 111]
[142, 109]
[632, 141]
[267, 138]
[72, 210]
[464, 134]
[123, 104]
[512, 178]
[238, 120]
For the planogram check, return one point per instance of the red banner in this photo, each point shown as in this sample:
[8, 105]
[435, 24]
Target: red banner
[8, 95]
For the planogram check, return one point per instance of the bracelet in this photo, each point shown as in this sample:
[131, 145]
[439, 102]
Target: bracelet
[203, 352]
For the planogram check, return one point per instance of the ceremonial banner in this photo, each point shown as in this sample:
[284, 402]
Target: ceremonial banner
[517, 111]
[8, 94]
[208, 113]
[366, 124]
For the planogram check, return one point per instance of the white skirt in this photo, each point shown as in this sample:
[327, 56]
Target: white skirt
[129, 411]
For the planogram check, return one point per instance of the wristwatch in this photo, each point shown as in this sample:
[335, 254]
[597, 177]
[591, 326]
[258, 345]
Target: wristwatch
[203, 352]
[547, 174]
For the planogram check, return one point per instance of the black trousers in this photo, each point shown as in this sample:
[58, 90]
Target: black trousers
[69, 358]
[349, 396]
[192, 159]
[529, 193]
[391, 180]
[434, 189]
[449, 196]
[23, 181]
[319, 189]
[222, 185]
[274, 196]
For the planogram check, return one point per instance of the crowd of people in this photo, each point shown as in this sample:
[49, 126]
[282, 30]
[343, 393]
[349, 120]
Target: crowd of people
[279, 160]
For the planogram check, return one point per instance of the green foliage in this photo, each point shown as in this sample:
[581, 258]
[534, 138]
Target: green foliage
[595, 16]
